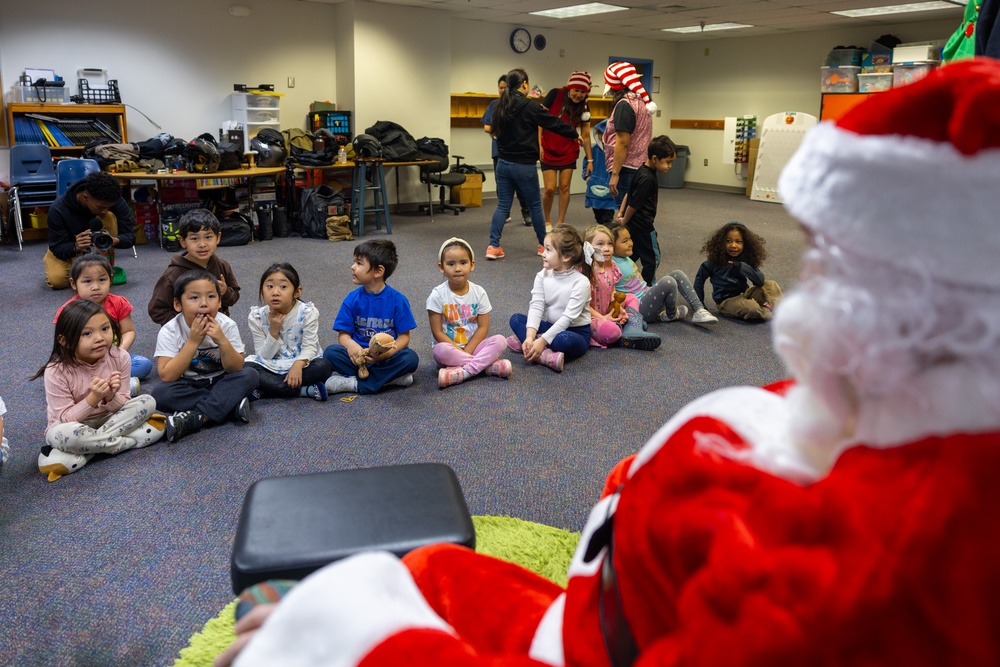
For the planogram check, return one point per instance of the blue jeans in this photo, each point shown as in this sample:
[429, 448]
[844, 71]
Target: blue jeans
[625, 177]
[511, 175]
[379, 374]
[572, 342]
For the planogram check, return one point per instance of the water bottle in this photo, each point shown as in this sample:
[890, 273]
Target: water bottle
[342, 155]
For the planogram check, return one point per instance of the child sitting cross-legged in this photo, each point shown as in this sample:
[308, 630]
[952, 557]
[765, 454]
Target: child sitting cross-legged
[285, 334]
[374, 308]
[199, 356]
[459, 314]
[87, 394]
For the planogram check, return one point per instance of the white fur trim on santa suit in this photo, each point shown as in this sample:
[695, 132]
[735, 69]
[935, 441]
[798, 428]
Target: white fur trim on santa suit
[865, 194]
[338, 614]
[547, 644]
[758, 416]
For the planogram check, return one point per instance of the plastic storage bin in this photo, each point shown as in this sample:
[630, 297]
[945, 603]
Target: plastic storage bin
[916, 53]
[839, 79]
[41, 95]
[910, 72]
[844, 57]
[674, 178]
[874, 83]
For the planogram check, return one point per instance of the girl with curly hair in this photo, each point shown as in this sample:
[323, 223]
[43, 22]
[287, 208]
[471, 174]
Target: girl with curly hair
[735, 255]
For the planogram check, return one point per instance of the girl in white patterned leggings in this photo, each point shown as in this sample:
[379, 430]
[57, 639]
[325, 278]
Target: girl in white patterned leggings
[87, 393]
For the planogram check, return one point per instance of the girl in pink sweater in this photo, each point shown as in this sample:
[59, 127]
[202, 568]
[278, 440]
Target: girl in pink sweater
[87, 393]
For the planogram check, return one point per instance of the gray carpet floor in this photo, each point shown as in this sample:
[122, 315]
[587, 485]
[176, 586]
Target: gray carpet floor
[121, 562]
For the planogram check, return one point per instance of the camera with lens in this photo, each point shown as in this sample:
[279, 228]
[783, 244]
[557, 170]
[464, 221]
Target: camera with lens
[100, 239]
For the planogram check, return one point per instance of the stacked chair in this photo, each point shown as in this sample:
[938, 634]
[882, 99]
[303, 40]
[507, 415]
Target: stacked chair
[33, 182]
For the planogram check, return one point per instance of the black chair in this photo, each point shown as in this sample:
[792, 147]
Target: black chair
[435, 174]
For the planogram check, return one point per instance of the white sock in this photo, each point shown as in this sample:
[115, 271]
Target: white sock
[466, 373]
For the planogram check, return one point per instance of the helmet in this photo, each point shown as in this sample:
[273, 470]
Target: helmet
[201, 157]
[367, 146]
[269, 154]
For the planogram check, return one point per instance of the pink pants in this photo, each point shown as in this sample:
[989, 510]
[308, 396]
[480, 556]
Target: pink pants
[447, 355]
[606, 332]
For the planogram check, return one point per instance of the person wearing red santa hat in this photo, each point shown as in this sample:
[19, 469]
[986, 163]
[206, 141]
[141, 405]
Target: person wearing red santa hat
[559, 154]
[845, 517]
[629, 129]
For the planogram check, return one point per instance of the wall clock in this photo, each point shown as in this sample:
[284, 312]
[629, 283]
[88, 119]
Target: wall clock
[520, 40]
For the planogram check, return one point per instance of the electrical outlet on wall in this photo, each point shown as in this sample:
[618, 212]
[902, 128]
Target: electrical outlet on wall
[706, 162]
[291, 82]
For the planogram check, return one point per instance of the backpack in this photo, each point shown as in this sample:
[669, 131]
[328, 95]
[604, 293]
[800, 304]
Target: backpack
[316, 204]
[338, 228]
[236, 229]
[433, 146]
[300, 143]
[231, 156]
[398, 145]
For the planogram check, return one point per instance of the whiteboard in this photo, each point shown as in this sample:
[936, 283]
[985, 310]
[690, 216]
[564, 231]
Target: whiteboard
[780, 137]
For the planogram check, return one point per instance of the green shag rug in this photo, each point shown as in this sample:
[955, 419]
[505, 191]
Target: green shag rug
[540, 548]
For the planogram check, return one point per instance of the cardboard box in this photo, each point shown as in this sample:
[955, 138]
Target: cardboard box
[752, 163]
[876, 63]
[470, 193]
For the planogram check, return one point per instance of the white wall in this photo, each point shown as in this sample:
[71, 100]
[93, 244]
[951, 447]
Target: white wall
[402, 64]
[481, 53]
[761, 76]
[176, 61]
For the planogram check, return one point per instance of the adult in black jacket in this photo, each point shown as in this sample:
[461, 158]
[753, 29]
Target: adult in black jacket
[516, 120]
[92, 201]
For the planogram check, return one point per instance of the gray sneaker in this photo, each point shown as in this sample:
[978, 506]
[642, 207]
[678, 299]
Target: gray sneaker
[681, 313]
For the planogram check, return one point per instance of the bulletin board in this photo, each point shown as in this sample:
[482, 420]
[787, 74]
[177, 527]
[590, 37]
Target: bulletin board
[780, 136]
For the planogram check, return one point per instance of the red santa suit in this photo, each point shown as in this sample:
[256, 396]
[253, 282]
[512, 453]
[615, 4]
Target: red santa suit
[731, 538]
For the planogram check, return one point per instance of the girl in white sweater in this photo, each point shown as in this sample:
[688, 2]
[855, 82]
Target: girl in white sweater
[285, 333]
[557, 326]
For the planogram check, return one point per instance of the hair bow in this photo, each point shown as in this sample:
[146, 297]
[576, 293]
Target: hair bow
[588, 252]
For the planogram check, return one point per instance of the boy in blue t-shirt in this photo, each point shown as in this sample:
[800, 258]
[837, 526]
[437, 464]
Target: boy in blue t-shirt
[372, 308]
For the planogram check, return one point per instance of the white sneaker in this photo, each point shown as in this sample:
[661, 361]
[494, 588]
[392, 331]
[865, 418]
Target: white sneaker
[681, 313]
[404, 381]
[703, 318]
[548, 227]
[507, 221]
[338, 384]
[133, 387]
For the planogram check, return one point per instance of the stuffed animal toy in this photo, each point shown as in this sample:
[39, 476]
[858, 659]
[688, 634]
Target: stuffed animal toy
[845, 517]
[379, 343]
[617, 303]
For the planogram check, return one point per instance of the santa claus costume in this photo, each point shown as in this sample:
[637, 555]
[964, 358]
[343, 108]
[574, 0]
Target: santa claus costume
[845, 518]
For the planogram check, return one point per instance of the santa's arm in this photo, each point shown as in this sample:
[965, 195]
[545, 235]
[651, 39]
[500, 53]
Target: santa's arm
[368, 610]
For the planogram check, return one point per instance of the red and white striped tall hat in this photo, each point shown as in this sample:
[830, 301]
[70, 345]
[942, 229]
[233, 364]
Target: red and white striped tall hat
[580, 80]
[623, 75]
[910, 177]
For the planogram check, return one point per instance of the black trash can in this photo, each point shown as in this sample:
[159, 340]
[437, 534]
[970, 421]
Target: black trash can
[675, 177]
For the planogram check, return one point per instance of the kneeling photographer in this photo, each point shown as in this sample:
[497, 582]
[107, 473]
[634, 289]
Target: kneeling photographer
[90, 216]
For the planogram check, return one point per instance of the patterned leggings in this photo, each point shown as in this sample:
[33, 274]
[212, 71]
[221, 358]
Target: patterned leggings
[134, 425]
[663, 296]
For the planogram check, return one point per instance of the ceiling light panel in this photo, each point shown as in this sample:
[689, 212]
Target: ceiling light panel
[576, 11]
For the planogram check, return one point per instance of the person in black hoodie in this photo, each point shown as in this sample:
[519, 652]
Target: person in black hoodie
[516, 120]
[92, 203]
